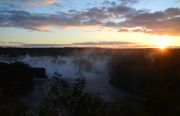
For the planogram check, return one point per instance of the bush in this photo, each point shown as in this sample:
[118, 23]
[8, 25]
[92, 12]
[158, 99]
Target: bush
[15, 78]
[64, 99]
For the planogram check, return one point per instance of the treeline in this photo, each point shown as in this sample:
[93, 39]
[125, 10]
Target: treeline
[16, 79]
[153, 77]
[67, 51]
[48, 51]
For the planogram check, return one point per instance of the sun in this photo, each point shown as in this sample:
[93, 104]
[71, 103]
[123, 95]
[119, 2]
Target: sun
[162, 47]
[163, 43]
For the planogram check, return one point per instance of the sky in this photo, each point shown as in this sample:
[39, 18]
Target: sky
[90, 23]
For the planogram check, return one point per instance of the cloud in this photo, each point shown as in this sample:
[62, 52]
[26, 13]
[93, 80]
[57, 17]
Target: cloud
[16, 42]
[107, 2]
[162, 23]
[43, 45]
[42, 2]
[122, 2]
[42, 22]
[110, 44]
[121, 17]
[126, 2]
[104, 43]
[31, 2]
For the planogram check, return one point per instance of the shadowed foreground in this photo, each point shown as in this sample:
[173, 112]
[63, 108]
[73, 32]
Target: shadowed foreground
[150, 77]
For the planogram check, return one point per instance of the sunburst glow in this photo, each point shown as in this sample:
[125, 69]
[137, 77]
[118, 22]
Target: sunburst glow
[163, 43]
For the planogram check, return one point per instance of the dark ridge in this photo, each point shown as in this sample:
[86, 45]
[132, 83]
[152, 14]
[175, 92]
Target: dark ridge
[18, 78]
[13, 52]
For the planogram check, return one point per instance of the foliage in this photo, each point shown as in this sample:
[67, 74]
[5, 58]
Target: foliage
[15, 78]
[155, 79]
[65, 99]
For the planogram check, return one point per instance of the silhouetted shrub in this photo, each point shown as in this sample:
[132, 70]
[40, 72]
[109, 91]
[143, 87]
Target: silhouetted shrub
[15, 78]
[14, 110]
[65, 99]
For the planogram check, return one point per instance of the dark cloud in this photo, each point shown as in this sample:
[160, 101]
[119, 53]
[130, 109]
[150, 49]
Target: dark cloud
[121, 17]
[16, 42]
[103, 43]
[163, 23]
[107, 2]
[122, 2]
[126, 2]
[120, 10]
[43, 45]
[2, 42]
[82, 44]
[42, 22]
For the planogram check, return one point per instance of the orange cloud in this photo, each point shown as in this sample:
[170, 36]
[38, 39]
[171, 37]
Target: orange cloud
[43, 2]
[159, 23]
[42, 28]
[34, 2]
